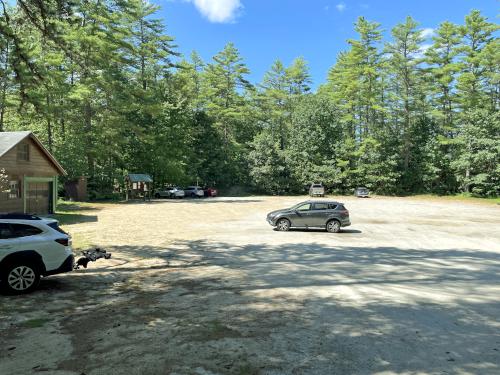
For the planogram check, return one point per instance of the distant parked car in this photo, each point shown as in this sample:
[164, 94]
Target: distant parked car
[210, 192]
[329, 215]
[176, 192]
[317, 190]
[194, 192]
[170, 192]
[361, 192]
[31, 247]
[162, 193]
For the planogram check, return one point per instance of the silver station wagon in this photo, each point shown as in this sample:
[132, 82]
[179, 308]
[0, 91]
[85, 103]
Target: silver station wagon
[328, 215]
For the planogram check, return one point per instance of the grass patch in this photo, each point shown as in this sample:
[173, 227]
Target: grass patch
[35, 323]
[66, 218]
[248, 369]
[68, 206]
[215, 330]
[460, 198]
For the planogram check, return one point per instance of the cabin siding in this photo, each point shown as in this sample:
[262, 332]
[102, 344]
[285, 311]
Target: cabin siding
[38, 166]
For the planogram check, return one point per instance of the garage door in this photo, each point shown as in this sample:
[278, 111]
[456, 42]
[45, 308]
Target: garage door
[39, 198]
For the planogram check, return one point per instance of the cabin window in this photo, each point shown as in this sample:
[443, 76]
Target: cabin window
[14, 191]
[134, 185]
[23, 152]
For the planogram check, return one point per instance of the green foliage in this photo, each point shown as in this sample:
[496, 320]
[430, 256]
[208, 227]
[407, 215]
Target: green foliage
[100, 82]
[478, 163]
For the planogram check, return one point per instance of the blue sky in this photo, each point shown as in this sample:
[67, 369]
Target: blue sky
[264, 30]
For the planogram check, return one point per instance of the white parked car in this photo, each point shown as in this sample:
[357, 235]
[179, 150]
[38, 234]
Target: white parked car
[170, 192]
[317, 190]
[176, 192]
[31, 247]
[194, 192]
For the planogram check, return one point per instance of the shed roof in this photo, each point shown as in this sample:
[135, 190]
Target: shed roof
[138, 177]
[9, 140]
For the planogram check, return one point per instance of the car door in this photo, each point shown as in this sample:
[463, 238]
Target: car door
[30, 237]
[301, 215]
[319, 214]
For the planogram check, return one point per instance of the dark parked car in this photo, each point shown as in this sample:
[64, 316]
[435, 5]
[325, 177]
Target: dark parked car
[361, 192]
[311, 214]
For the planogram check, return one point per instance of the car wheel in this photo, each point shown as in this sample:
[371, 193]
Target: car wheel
[283, 225]
[20, 278]
[333, 226]
[157, 196]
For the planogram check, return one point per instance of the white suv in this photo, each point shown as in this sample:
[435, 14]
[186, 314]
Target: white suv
[31, 247]
[194, 192]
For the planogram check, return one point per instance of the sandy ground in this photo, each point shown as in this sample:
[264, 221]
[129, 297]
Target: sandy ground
[208, 287]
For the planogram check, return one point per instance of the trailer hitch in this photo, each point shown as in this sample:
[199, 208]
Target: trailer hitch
[91, 256]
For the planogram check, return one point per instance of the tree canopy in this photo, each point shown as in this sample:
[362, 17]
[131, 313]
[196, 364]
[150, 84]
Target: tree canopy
[102, 85]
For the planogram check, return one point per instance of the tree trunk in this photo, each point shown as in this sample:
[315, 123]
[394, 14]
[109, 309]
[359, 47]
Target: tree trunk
[4, 89]
[143, 59]
[49, 124]
[89, 144]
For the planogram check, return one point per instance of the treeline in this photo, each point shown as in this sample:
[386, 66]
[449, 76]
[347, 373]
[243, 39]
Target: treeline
[101, 83]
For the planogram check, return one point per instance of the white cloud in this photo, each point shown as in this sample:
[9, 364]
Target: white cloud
[428, 33]
[340, 7]
[219, 11]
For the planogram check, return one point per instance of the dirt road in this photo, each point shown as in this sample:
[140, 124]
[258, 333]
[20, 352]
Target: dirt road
[207, 287]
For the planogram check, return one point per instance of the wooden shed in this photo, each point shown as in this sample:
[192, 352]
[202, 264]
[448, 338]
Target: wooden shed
[28, 174]
[138, 185]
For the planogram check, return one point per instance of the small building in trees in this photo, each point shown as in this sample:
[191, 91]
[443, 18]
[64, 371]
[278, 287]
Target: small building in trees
[76, 189]
[138, 185]
[28, 175]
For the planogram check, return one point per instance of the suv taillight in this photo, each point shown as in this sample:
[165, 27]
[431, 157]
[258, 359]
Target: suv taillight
[63, 241]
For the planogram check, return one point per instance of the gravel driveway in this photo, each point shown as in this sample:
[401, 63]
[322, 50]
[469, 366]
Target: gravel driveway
[208, 287]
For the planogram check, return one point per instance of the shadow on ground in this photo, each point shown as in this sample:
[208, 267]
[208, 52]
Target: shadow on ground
[260, 309]
[65, 218]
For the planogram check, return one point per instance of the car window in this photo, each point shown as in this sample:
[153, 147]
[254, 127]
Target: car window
[332, 206]
[56, 226]
[304, 207]
[5, 231]
[317, 186]
[22, 230]
[321, 206]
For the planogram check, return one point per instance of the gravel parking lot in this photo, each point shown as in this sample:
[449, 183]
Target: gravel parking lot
[208, 287]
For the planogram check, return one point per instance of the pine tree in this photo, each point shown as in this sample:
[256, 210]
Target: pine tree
[405, 95]
[225, 79]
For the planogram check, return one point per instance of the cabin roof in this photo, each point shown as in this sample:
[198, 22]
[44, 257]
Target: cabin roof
[138, 177]
[9, 140]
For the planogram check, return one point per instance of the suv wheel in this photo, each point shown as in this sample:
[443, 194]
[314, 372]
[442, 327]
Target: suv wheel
[20, 278]
[283, 225]
[333, 226]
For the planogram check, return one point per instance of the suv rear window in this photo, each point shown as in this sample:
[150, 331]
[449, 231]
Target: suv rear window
[317, 186]
[56, 226]
[22, 230]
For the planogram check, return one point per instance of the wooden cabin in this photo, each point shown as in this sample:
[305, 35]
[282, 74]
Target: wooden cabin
[138, 185]
[28, 175]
